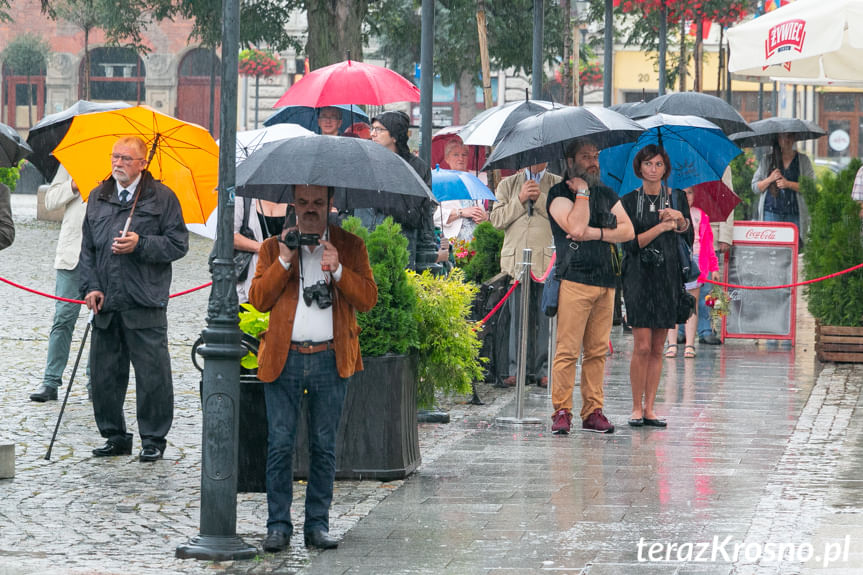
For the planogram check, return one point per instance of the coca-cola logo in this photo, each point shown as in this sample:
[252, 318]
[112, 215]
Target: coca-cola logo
[788, 35]
[763, 234]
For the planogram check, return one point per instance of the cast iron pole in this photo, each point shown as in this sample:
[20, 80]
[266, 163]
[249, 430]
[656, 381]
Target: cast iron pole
[663, 46]
[425, 247]
[536, 67]
[607, 64]
[426, 80]
[217, 539]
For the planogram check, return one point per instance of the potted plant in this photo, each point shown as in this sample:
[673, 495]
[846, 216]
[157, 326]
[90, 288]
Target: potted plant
[258, 64]
[834, 244]
[447, 345]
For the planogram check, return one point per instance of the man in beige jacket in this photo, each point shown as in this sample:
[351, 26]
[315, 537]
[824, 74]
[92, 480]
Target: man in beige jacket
[520, 211]
[63, 193]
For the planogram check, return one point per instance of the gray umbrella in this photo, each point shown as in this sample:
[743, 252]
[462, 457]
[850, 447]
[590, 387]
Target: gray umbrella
[765, 132]
[50, 130]
[705, 106]
[12, 148]
[374, 176]
[544, 137]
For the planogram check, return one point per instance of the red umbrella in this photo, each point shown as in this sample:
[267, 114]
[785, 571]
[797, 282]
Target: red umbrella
[350, 82]
[715, 199]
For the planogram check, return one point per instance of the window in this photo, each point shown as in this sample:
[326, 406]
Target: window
[116, 74]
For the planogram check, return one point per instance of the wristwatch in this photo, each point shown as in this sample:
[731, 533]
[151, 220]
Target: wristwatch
[584, 193]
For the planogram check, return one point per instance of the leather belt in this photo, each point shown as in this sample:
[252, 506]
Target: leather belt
[312, 346]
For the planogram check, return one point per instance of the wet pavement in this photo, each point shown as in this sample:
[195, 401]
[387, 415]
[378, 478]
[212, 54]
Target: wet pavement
[763, 452]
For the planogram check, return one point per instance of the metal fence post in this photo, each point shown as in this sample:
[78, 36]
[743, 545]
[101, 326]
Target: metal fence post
[521, 377]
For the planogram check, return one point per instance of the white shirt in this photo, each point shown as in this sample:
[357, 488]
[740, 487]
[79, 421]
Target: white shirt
[312, 323]
[130, 188]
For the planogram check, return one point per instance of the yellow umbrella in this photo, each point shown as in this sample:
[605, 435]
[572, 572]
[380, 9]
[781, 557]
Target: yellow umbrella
[183, 156]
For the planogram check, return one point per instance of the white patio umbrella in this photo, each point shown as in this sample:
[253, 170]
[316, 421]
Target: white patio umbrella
[817, 39]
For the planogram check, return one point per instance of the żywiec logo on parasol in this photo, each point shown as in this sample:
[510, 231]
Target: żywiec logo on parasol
[788, 35]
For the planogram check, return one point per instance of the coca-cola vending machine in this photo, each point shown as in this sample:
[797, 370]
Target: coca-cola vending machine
[763, 256]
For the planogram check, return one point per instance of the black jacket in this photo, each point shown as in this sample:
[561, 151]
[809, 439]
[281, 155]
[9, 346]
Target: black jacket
[142, 278]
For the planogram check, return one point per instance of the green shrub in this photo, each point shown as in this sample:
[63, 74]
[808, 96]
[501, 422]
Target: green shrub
[742, 169]
[389, 326]
[834, 244]
[485, 263]
[447, 346]
[10, 176]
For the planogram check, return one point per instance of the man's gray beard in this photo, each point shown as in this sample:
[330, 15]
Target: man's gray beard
[592, 180]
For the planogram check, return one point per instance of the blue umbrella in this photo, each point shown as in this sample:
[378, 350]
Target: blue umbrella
[699, 152]
[458, 185]
[307, 117]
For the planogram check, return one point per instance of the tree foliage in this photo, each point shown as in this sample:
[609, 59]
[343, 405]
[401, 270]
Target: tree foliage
[397, 23]
[26, 55]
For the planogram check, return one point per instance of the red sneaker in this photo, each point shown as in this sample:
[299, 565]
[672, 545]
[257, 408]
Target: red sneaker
[597, 423]
[561, 421]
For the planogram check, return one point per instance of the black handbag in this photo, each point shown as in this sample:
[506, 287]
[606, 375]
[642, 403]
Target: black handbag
[685, 306]
[242, 258]
[688, 265]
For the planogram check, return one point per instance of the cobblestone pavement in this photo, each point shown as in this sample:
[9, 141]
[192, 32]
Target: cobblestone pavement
[79, 514]
[764, 445]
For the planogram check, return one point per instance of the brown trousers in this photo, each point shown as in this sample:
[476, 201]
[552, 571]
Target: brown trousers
[584, 319]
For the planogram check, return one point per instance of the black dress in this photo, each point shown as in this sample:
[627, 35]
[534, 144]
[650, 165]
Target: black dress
[651, 291]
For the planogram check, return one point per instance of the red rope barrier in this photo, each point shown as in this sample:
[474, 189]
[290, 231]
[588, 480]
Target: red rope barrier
[547, 271]
[499, 304]
[803, 283]
[82, 302]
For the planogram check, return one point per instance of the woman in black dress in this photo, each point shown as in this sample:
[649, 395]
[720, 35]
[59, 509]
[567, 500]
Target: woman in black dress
[652, 281]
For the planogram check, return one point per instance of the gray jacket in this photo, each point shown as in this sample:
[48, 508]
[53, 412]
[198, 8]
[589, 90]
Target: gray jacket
[141, 279]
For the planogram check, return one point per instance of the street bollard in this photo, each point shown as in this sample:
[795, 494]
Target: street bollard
[521, 376]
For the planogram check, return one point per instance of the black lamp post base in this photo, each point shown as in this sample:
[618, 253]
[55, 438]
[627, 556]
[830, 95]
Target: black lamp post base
[216, 548]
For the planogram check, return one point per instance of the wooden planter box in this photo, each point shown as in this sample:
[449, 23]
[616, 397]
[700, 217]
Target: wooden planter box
[838, 343]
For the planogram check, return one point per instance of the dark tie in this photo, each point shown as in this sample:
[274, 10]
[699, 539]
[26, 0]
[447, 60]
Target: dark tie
[124, 195]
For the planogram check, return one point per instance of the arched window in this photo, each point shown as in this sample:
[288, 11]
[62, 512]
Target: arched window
[115, 74]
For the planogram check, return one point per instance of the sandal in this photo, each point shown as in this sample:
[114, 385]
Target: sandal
[689, 351]
[670, 350]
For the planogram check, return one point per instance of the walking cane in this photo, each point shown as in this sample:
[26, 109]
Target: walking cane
[69, 387]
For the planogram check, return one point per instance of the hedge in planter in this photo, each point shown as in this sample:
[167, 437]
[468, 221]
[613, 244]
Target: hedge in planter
[447, 345]
[834, 244]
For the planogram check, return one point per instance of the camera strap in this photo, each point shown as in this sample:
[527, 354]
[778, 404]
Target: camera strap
[328, 276]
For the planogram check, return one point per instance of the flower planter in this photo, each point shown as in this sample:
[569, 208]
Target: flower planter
[838, 343]
[377, 436]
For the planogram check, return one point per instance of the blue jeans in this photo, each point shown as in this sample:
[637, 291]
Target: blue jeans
[65, 316]
[315, 373]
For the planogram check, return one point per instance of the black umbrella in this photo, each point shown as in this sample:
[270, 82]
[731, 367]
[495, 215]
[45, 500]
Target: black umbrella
[698, 104]
[765, 132]
[544, 137]
[488, 127]
[374, 177]
[50, 130]
[12, 147]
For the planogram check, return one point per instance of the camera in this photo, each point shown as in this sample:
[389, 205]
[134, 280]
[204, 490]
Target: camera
[605, 220]
[652, 257]
[294, 239]
[318, 293]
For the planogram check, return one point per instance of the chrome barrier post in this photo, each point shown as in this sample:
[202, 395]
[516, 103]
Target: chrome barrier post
[552, 346]
[521, 376]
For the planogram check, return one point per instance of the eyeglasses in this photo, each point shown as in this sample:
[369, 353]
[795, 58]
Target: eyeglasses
[123, 159]
[378, 129]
